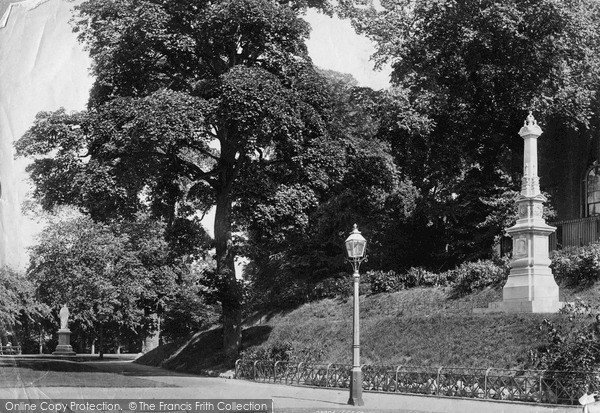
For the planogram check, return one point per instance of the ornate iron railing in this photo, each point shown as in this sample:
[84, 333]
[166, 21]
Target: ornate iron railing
[536, 386]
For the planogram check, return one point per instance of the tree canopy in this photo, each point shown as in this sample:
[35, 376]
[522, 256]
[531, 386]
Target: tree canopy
[199, 104]
[114, 277]
[473, 69]
[194, 105]
[16, 299]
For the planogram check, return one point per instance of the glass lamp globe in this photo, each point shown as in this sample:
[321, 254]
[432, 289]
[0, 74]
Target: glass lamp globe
[356, 244]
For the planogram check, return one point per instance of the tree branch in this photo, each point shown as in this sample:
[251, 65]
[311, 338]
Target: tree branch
[205, 152]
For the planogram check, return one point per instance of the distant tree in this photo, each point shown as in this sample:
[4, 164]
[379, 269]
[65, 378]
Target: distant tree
[475, 68]
[190, 309]
[188, 98]
[113, 277]
[17, 301]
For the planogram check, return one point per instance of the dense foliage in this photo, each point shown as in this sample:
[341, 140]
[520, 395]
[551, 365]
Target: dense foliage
[572, 346]
[470, 277]
[18, 305]
[118, 279]
[194, 105]
[294, 248]
[202, 105]
[577, 266]
[390, 281]
[473, 69]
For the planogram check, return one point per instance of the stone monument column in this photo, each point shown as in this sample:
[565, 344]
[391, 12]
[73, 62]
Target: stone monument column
[530, 287]
[64, 335]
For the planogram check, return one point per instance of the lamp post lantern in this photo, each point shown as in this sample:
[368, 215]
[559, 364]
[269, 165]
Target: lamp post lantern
[356, 248]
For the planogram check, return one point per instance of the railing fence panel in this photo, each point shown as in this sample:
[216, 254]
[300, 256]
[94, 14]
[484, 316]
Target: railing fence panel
[549, 387]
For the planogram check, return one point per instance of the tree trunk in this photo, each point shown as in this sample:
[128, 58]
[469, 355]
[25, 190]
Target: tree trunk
[101, 343]
[152, 340]
[230, 292]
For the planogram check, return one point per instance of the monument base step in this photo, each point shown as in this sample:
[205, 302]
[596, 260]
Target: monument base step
[64, 350]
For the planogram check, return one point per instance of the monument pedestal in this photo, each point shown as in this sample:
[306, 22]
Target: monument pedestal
[64, 343]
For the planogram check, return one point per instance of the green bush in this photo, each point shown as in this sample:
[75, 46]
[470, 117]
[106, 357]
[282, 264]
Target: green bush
[279, 351]
[577, 265]
[390, 281]
[418, 276]
[334, 287]
[283, 292]
[341, 285]
[474, 276]
[572, 348]
[385, 281]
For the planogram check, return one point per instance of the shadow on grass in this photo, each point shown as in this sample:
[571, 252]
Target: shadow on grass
[260, 317]
[47, 365]
[255, 336]
[202, 353]
[39, 372]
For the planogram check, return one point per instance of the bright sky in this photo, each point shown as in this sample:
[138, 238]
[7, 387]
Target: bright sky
[334, 45]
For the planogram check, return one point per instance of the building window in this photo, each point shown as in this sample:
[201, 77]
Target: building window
[592, 184]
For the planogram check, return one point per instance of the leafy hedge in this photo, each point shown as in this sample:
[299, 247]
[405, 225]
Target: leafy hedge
[282, 351]
[390, 281]
[279, 351]
[577, 265]
[572, 345]
[475, 276]
[571, 266]
[465, 279]
[340, 286]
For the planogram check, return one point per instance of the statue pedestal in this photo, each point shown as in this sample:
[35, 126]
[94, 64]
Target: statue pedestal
[64, 343]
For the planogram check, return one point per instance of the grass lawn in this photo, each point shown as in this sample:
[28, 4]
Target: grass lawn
[15, 373]
[420, 326]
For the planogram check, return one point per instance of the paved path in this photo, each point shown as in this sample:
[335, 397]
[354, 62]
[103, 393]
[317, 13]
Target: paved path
[172, 385]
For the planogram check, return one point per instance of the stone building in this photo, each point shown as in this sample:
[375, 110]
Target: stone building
[570, 173]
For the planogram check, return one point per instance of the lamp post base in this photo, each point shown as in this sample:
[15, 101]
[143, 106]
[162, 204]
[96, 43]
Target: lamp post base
[356, 398]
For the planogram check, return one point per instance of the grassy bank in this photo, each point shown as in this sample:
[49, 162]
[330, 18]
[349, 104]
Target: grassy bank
[419, 326]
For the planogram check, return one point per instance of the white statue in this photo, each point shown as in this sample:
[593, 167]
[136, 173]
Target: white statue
[64, 317]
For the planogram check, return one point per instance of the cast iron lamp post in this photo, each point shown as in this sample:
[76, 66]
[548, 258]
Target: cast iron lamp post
[356, 247]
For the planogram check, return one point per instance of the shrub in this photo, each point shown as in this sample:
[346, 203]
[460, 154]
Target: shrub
[570, 355]
[578, 265]
[334, 287]
[474, 276]
[340, 286]
[385, 281]
[279, 351]
[285, 293]
[418, 276]
[390, 281]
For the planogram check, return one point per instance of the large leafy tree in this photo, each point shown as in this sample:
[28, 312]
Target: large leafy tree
[295, 239]
[114, 277]
[17, 301]
[475, 68]
[188, 97]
